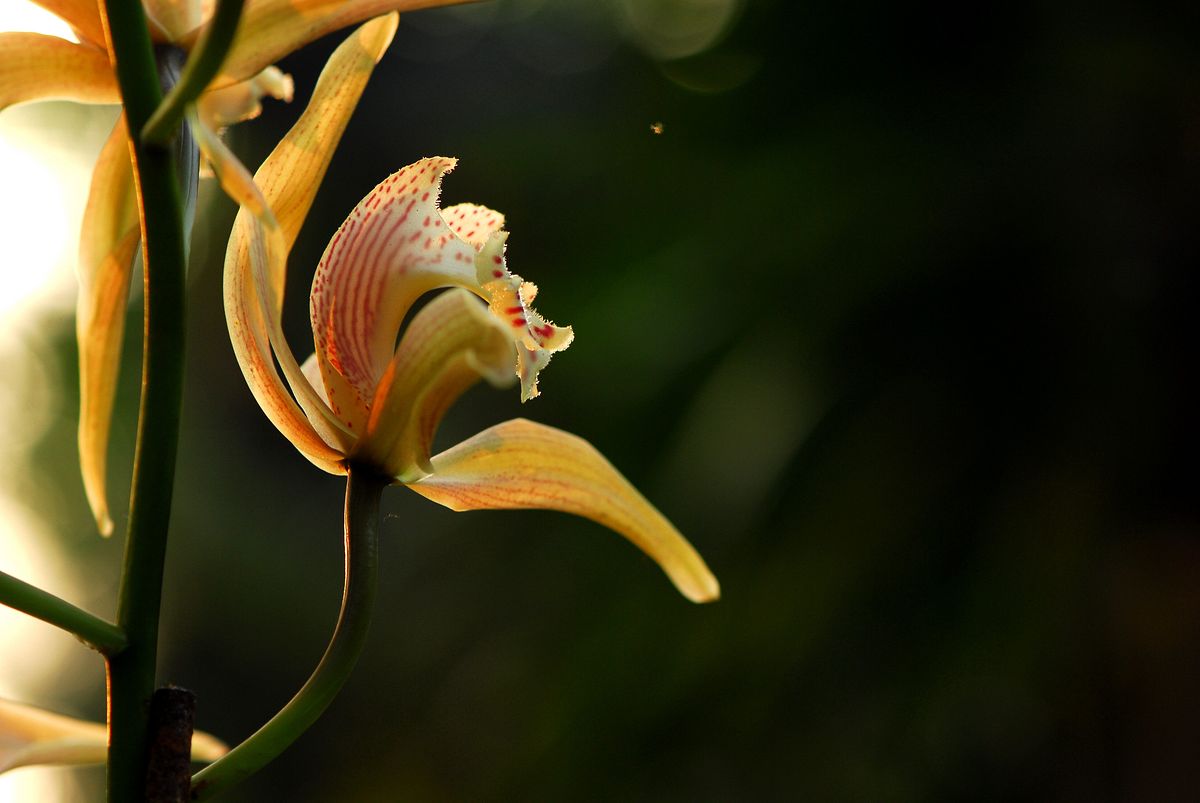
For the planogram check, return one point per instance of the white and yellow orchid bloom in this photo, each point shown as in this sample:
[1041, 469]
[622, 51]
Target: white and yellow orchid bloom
[360, 397]
[39, 67]
[30, 735]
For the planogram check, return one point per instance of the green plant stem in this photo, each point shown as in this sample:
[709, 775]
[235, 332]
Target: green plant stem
[363, 489]
[202, 66]
[88, 628]
[131, 673]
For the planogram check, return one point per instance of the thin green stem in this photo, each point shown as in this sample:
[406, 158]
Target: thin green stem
[131, 673]
[88, 628]
[202, 66]
[363, 489]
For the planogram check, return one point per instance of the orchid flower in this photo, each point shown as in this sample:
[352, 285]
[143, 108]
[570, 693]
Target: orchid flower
[39, 67]
[361, 399]
[30, 735]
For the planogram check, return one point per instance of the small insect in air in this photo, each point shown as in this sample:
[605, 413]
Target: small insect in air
[657, 128]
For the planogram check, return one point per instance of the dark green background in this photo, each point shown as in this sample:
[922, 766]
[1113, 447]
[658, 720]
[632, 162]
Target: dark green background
[892, 326]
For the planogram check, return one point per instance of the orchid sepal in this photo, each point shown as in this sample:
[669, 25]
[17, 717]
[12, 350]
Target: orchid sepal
[520, 464]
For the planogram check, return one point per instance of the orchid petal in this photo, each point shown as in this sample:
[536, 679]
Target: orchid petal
[395, 246]
[108, 242]
[82, 15]
[520, 464]
[256, 260]
[34, 66]
[243, 101]
[270, 29]
[392, 248]
[450, 345]
[30, 735]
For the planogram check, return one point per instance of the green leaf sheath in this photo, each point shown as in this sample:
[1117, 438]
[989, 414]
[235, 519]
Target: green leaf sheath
[363, 489]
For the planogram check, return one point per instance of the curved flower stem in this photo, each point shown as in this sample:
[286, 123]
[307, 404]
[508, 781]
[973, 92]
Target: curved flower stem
[363, 489]
[93, 631]
[202, 66]
[131, 673]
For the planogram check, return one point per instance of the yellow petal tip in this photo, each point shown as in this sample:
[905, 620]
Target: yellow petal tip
[207, 748]
[706, 589]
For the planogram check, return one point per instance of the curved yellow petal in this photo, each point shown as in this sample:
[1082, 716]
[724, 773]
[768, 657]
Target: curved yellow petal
[256, 259]
[31, 735]
[82, 15]
[270, 29]
[290, 176]
[34, 66]
[107, 244]
[520, 464]
[450, 345]
[250, 331]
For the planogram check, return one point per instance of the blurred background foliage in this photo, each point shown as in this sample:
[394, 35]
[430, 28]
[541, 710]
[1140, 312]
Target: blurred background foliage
[889, 319]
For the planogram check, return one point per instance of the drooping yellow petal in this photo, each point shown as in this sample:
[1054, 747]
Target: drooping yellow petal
[243, 101]
[233, 176]
[270, 29]
[111, 206]
[107, 244]
[34, 66]
[450, 345]
[255, 262]
[30, 735]
[100, 326]
[81, 15]
[520, 464]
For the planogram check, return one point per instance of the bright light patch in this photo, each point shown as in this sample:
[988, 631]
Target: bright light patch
[22, 15]
[37, 221]
[41, 202]
[36, 226]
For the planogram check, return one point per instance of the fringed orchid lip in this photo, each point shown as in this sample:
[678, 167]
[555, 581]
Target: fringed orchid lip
[394, 247]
